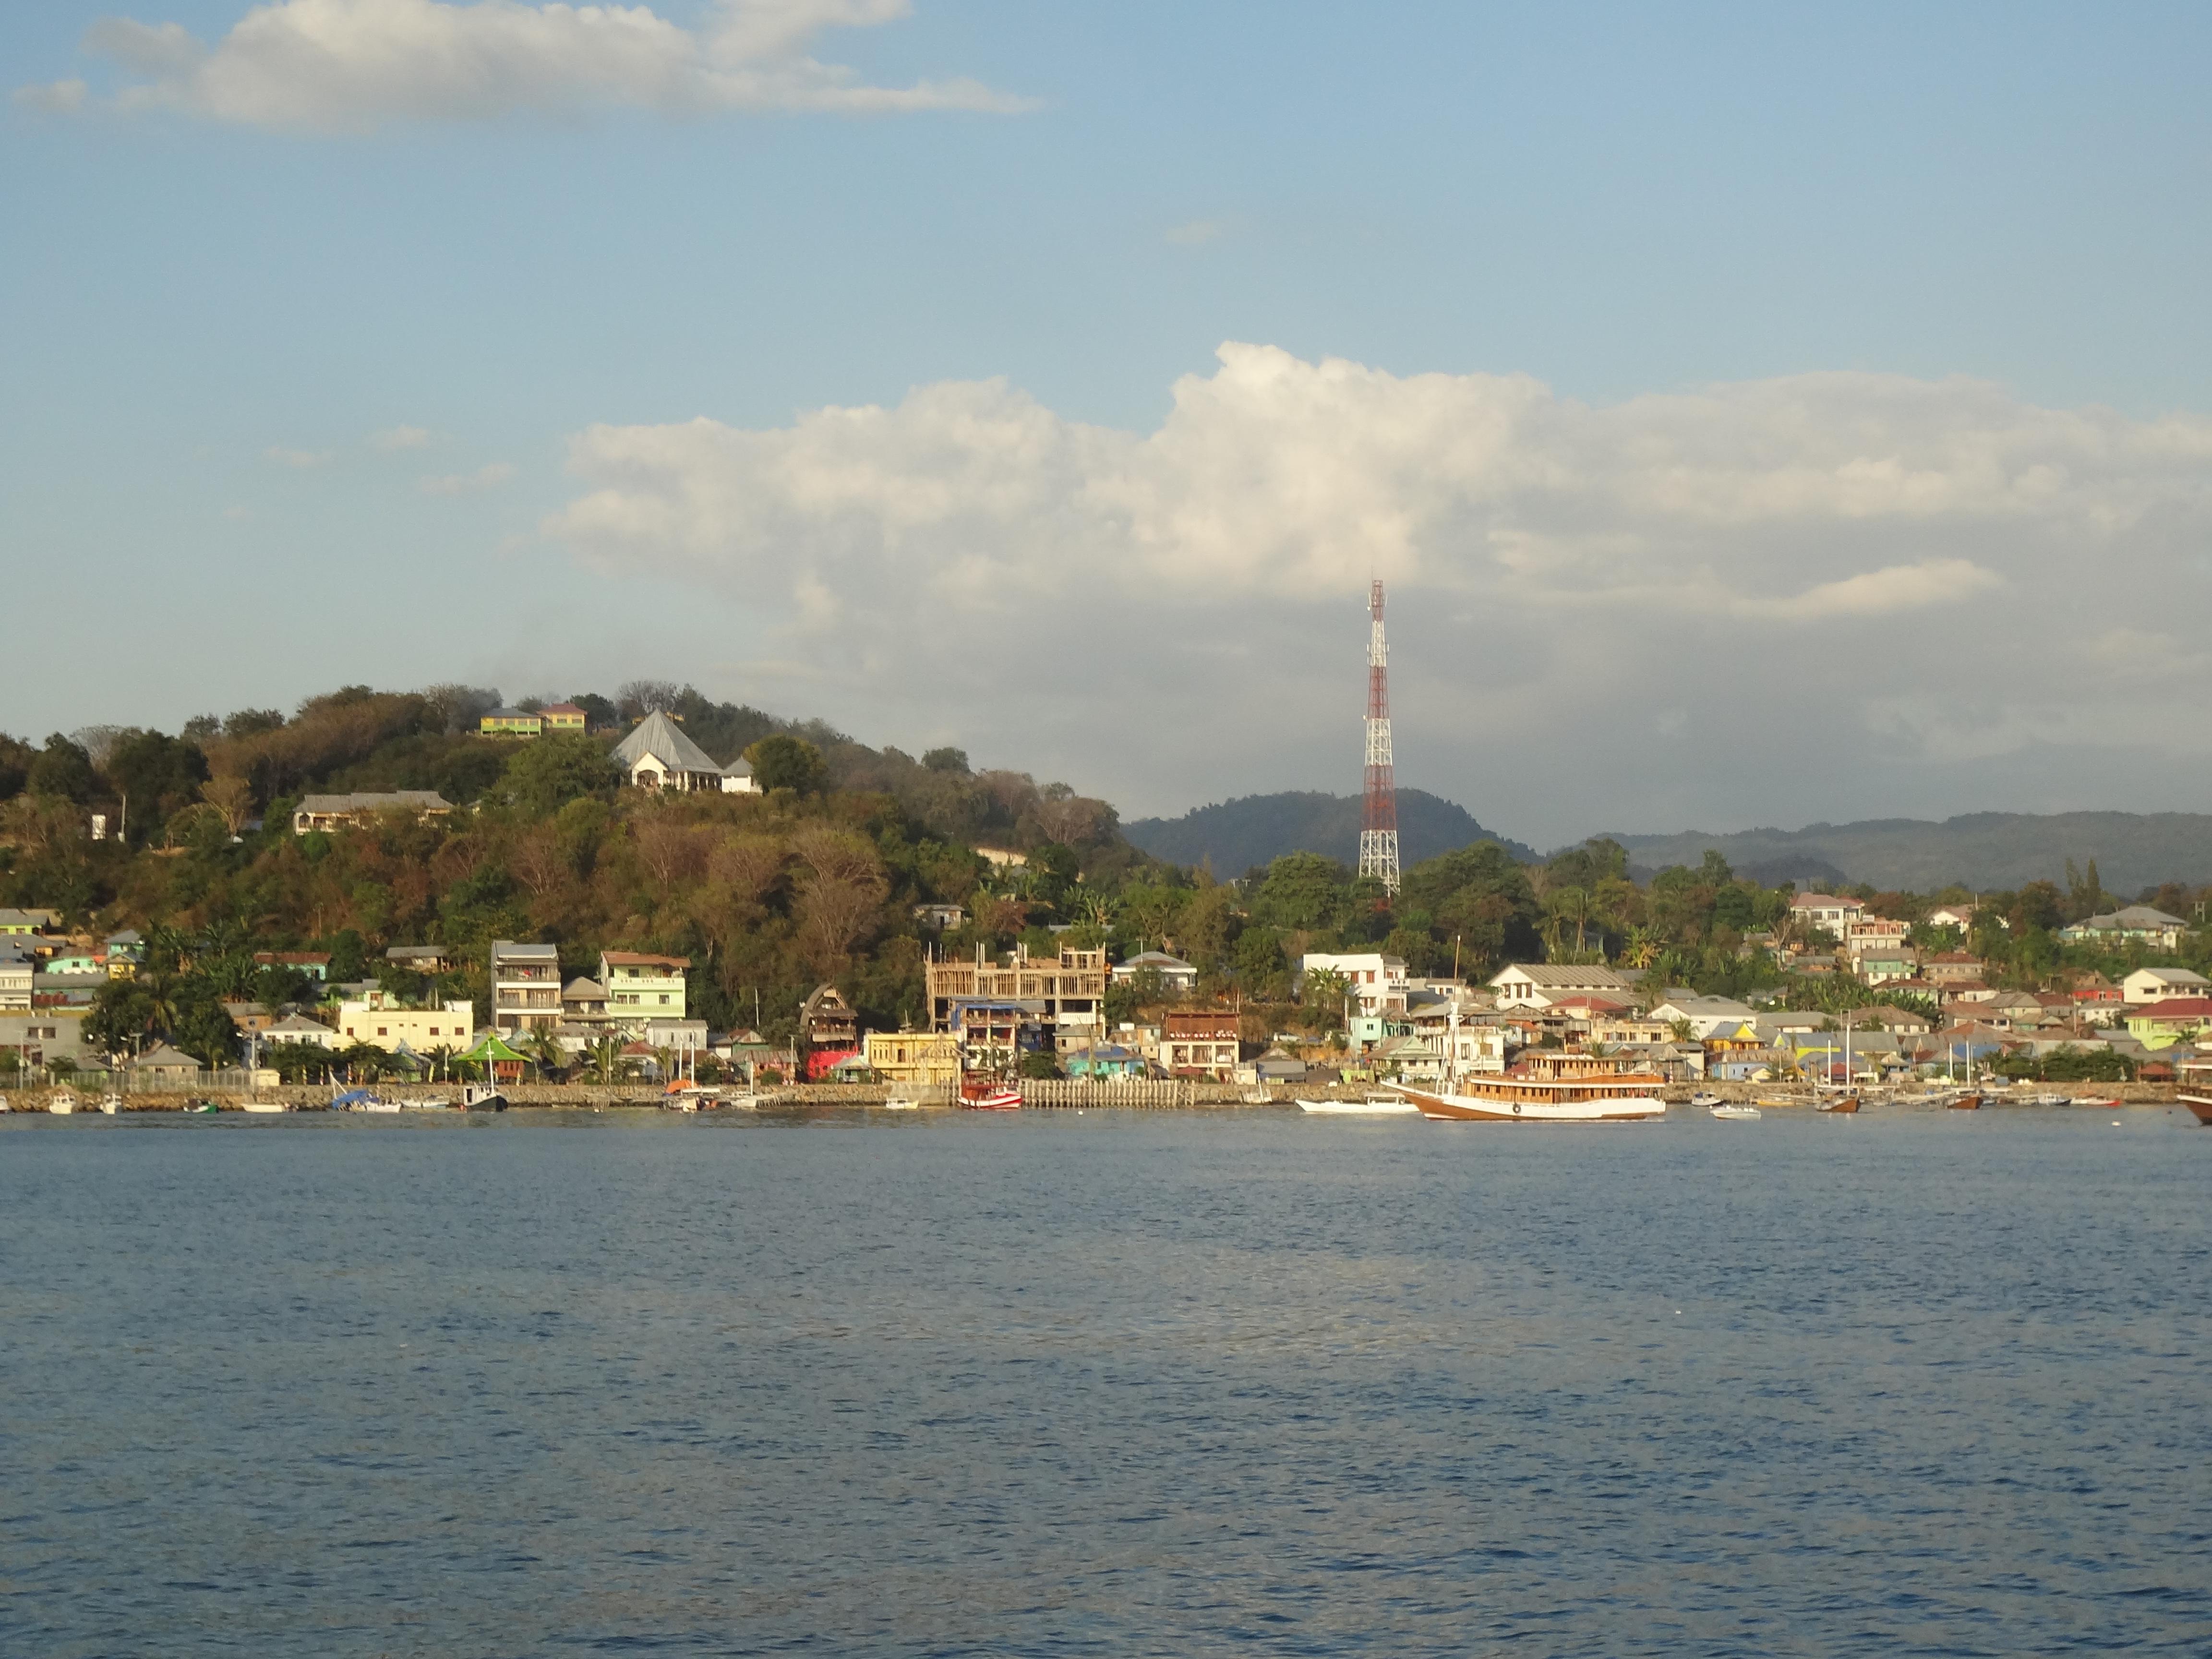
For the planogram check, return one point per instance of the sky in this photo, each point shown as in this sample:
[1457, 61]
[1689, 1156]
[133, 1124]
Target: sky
[1758, 415]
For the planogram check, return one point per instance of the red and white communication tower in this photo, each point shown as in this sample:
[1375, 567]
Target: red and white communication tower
[1378, 833]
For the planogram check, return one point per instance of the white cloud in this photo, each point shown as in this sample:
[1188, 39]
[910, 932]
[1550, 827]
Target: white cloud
[54, 97]
[470, 484]
[1198, 231]
[1897, 565]
[301, 459]
[347, 65]
[399, 437]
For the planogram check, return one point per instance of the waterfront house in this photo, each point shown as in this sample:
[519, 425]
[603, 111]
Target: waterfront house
[380, 1020]
[914, 1059]
[43, 1037]
[525, 987]
[584, 1004]
[298, 1028]
[1067, 991]
[641, 986]
[1111, 1060]
[1200, 1044]
[828, 1030]
[164, 1067]
[2148, 985]
[333, 812]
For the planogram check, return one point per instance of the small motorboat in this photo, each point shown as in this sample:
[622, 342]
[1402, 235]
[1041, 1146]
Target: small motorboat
[999, 1100]
[61, 1102]
[2098, 1103]
[264, 1106]
[2199, 1107]
[900, 1103]
[1736, 1114]
[111, 1103]
[4, 1106]
[360, 1100]
[1704, 1100]
[199, 1109]
[483, 1098]
[436, 1104]
[1373, 1106]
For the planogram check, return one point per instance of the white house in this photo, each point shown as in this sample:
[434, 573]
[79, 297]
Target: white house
[379, 1021]
[1376, 982]
[2135, 922]
[658, 755]
[2158, 984]
[1960, 916]
[1826, 910]
[1179, 976]
[1540, 984]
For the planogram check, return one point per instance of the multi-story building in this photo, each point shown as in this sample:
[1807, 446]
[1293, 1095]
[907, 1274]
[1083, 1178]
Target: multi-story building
[525, 987]
[1202, 1044]
[1065, 993]
[382, 1022]
[1540, 984]
[19, 965]
[641, 986]
[1376, 982]
[1826, 910]
[914, 1059]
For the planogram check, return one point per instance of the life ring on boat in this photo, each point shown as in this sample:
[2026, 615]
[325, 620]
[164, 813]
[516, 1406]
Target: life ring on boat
[1516, 1108]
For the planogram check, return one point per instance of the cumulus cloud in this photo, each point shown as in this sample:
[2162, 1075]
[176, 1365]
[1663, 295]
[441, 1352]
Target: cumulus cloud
[1867, 552]
[340, 66]
[399, 437]
[470, 484]
[54, 97]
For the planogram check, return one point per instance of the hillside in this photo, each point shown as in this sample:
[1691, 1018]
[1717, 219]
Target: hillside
[1256, 830]
[2133, 850]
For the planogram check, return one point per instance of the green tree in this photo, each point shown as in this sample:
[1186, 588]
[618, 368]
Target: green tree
[783, 761]
[156, 775]
[543, 776]
[1303, 890]
[945, 760]
[1262, 968]
[64, 770]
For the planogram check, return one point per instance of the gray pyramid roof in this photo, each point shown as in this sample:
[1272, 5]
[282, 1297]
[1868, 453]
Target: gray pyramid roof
[661, 737]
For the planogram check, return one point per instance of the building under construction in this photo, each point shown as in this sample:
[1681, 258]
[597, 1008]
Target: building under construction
[1055, 1004]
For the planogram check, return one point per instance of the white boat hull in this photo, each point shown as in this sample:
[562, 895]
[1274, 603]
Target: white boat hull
[1392, 1108]
[1474, 1108]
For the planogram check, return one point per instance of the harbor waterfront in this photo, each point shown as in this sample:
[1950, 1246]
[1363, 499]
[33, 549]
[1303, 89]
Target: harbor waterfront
[1119, 1381]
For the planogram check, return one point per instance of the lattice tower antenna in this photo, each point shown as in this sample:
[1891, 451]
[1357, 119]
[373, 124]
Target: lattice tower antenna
[1378, 833]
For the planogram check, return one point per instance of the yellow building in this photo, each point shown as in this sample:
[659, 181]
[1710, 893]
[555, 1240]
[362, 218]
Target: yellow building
[380, 1022]
[510, 723]
[918, 1058]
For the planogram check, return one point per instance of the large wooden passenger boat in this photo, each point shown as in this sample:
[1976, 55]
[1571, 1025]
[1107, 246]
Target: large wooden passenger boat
[1546, 1088]
[2199, 1104]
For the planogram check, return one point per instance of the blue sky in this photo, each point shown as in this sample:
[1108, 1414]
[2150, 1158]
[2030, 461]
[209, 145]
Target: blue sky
[218, 311]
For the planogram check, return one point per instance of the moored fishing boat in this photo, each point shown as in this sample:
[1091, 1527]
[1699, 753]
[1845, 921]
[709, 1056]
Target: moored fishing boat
[61, 1102]
[1705, 1099]
[1842, 1105]
[1373, 1106]
[1737, 1114]
[1966, 1101]
[483, 1098]
[999, 1100]
[2199, 1106]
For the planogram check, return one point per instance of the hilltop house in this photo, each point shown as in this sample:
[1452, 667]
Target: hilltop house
[564, 717]
[328, 812]
[658, 756]
[1826, 910]
[510, 723]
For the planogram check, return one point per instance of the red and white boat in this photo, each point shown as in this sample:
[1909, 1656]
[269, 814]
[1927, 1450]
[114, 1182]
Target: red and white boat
[979, 1095]
[1544, 1088]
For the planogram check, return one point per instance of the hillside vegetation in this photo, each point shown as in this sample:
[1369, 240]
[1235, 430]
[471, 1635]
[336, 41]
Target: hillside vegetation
[1254, 831]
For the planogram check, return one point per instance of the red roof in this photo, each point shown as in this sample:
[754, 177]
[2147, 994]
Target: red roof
[635, 959]
[1595, 1005]
[2175, 1008]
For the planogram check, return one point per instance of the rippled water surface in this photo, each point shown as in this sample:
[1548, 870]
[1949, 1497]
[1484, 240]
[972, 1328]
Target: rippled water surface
[1114, 1383]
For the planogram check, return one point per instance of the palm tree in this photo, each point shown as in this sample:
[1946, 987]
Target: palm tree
[1641, 948]
[606, 1062]
[1324, 990]
[546, 1051]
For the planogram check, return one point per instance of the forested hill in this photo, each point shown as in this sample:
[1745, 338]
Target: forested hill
[1257, 830]
[2133, 850]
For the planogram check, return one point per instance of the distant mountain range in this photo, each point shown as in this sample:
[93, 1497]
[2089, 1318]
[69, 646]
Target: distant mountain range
[1256, 830]
[2133, 850]
[1988, 850]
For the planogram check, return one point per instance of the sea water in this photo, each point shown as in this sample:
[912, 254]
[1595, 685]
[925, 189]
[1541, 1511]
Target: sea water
[1116, 1383]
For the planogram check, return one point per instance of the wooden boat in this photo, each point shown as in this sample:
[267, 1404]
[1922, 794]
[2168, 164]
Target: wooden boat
[999, 1100]
[483, 1098]
[2098, 1103]
[1842, 1105]
[1964, 1103]
[1373, 1106]
[1545, 1088]
[2198, 1105]
[199, 1109]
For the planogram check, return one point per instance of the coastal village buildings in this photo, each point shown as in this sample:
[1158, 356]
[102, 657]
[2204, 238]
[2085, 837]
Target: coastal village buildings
[525, 987]
[383, 1022]
[641, 986]
[918, 1060]
[1199, 1045]
[330, 813]
[1540, 984]
[1375, 983]
[2149, 984]
[1826, 911]
[1057, 1001]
